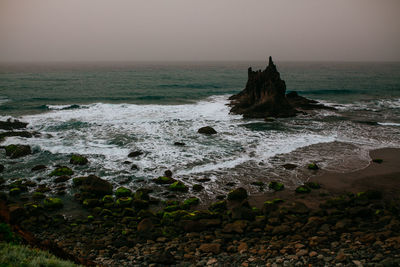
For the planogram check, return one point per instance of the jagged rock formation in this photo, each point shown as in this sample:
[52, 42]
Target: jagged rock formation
[265, 96]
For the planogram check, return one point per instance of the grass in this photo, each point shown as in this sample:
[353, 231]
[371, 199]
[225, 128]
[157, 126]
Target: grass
[18, 255]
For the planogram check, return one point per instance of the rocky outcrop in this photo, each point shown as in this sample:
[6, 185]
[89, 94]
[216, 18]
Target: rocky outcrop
[265, 96]
[12, 124]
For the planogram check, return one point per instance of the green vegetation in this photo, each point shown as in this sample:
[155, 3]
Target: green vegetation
[313, 185]
[191, 201]
[178, 186]
[123, 192]
[78, 160]
[17, 255]
[276, 186]
[53, 203]
[303, 189]
[312, 166]
[62, 171]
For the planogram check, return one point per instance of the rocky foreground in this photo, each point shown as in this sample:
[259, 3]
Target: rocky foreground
[124, 228]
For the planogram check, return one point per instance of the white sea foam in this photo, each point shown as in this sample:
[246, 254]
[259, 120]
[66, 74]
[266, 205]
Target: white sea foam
[111, 131]
[389, 124]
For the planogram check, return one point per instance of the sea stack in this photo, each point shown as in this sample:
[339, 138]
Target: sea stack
[264, 95]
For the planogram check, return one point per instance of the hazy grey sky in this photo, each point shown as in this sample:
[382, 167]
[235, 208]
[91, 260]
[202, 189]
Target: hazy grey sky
[85, 30]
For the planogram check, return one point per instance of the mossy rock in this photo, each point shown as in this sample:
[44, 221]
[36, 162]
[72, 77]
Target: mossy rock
[258, 183]
[145, 213]
[142, 194]
[172, 208]
[107, 199]
[14, 191]
[123, 192]
[124, 202]
[312, 166]
[164, 180]
[379, 161]
[90, 218]
[313, 185]
[178, 186]
[238, 194]
[219, 206]
[53, 203]
[193, 201]
[197, 187]
[78, 160]
[38, 195]
[199, 215]
[174, 216]
[62, 171]
[77, 181]
[370, 195]
[303, 189]
[276, 186]
[17, 151]
[128, 212]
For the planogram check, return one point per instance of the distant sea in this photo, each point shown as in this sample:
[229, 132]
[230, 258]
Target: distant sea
[106, 110]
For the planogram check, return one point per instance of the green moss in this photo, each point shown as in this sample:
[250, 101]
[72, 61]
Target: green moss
[174, 216]
[164, 180]
[312, 166]
[52, 203]
[15, 191]
[124, 201]
[379, 161]
[61, 171]
[142, 194]
[276, 186]
[218, 206]
[258, 183]
[178, 186]
[191, 201]
[123, 192]
[199, 214]
[77, 181]
[107, 199]
[78, 160]
[91, 203]
[172, 208]
[237, 194]
[90, 217]
[303, 189]
[313, 185]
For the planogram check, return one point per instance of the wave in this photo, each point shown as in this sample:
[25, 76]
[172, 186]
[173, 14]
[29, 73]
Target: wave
[389, 123]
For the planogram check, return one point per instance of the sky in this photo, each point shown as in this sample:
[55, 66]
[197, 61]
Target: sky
[201, 30]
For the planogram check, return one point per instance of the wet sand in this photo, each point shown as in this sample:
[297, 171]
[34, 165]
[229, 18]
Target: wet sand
[383, 176]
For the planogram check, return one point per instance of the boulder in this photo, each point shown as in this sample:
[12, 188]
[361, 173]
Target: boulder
[145, 226]
[135, 154]
[178, 186]
[93, 185]
[238, 194]
[78, 160]
[123, 192]
[62, 179]
[207, 130]
[39, 168]
[60, 171]
[164, 180]
[52, 203]
[210, 248]
[197, 187]
[12, 124]
[17, 151]
[276, 186]
[1, 167]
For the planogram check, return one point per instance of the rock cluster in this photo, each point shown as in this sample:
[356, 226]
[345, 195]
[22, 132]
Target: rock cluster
[265, 96]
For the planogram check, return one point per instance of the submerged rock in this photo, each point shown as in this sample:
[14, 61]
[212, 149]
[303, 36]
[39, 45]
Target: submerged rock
[93, 185]
[61, 171]
[135, 154]
[207, 130]
[237, 194]
[39, 168]
[12, 124]
[78, 160]
[17, 151]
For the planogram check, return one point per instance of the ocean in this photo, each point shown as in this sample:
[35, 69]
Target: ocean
[106, 110]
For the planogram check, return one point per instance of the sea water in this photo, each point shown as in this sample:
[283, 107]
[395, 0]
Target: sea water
[106, 110]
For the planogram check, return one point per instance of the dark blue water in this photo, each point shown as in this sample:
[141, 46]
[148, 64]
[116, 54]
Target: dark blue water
[28, 88]
[106, 110]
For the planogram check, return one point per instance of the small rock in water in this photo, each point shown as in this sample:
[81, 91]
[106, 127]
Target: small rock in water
[207, 130]
[289, 166]
[179, 144]
[39, 168]
[134, 154]
[168, 173]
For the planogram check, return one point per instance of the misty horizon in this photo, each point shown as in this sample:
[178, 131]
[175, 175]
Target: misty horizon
[184, 31]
